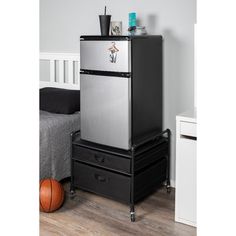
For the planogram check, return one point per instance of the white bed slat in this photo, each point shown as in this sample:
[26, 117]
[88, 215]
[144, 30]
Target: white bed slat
[52, 71]
[61, 71]
[70, 72]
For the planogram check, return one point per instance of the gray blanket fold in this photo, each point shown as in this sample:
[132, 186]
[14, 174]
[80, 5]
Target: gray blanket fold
[55, 144]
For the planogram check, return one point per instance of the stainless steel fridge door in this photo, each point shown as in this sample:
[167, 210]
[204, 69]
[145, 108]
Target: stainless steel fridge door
[105, 55]
[105, 110]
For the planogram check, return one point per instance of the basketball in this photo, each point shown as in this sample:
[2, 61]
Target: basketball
[51, 195]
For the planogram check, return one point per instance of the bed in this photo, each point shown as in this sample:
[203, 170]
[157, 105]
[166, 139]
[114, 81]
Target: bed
[59, 116]
[55, 130]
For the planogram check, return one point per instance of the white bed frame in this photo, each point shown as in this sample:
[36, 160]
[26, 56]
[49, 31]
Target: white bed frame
[71, 59]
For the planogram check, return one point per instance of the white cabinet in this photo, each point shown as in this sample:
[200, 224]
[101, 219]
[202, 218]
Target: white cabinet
[186, 148]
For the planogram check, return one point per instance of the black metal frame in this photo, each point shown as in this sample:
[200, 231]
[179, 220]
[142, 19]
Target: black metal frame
[72, 188]
[133, 149]
[132, 175]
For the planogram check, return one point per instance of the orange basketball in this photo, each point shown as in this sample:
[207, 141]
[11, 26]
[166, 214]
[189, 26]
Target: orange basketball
[51, 195]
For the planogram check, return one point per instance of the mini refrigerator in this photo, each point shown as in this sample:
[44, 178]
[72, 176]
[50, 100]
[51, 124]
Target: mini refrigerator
[121, 89]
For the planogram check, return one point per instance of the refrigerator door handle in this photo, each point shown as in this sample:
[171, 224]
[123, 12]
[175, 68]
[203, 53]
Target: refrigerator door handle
[106, 73]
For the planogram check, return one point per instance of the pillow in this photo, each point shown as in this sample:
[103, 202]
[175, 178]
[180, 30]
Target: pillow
[56, 100]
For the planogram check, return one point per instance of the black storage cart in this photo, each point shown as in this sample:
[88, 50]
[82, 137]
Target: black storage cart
[125, 176]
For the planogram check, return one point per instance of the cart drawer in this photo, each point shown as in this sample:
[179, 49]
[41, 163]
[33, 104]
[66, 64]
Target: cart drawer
[101, 159]
[188, 128]
[102, 182]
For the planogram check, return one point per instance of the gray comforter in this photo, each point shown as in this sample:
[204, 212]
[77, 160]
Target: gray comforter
[55, 130]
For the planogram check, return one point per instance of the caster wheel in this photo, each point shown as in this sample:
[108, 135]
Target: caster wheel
[72, 194]
[132, 216]
[168, 188]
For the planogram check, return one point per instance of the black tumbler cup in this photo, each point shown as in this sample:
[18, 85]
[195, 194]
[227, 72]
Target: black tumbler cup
[105, 21]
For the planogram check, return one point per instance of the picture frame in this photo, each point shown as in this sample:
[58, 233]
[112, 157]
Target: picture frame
[116, 28]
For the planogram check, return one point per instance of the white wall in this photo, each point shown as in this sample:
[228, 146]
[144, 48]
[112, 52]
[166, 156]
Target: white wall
[63, 21]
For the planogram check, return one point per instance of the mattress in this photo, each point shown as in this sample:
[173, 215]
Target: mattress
[55, 144]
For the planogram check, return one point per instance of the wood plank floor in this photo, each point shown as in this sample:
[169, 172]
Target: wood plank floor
[89, 214]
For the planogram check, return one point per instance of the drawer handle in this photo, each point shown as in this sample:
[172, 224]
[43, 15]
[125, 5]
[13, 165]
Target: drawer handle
[100, 178]
[99, 159]
[188, 137]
